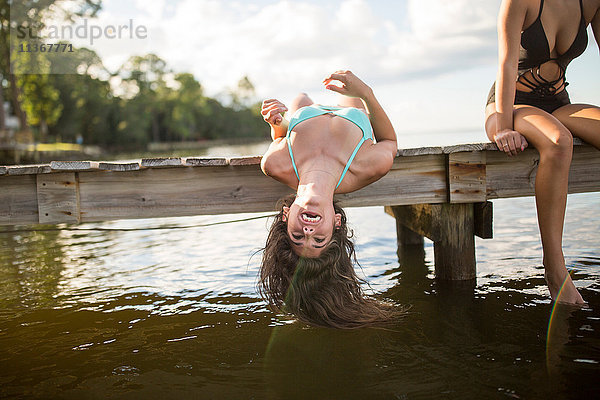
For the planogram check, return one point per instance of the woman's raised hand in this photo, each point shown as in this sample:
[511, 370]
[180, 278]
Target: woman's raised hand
[511, 142]
[352, 86]
[272, 111]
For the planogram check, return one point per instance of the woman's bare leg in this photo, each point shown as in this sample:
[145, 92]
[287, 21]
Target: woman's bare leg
[554, 142]
[583, 120]
[345, 101]
[302, 100]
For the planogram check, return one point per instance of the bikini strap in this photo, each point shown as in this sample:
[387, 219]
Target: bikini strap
[287, 138]
[542, 6]
[350, 161]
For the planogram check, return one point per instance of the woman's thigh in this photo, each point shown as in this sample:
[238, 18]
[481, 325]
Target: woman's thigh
[541, 129]
[355, 102]
[302, 100]
[583, 120]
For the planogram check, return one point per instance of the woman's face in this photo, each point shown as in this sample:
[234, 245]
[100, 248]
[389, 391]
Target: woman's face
[310, 228]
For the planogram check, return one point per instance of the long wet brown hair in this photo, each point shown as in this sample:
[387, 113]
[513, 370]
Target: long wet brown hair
[323, 291]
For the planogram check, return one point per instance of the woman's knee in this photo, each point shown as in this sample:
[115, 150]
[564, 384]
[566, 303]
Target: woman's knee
[552, 139]
[302, 100]
[559, 148]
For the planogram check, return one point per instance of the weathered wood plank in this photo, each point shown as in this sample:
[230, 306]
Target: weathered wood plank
[515, 176]
[73, 165]
[206, 162]
[176, 192]
[18, 200]
[466, 177]
[411, 180]
[420, 151]
[58, 198]
[214, 190]
[119, 166]
[584, 175]
[508, 176]
[29, 169]
[467, 147]
[116, 192]
[168, 162]
[245, 160]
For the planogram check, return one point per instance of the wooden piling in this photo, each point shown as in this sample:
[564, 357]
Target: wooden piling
[451, 227]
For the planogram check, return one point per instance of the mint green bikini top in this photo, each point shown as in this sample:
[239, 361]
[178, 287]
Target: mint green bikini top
[352, 114]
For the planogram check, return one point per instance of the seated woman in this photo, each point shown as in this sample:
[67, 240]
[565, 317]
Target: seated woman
[307, 266]
[529, 105]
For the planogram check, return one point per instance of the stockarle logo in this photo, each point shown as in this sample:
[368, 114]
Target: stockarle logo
[41, 43]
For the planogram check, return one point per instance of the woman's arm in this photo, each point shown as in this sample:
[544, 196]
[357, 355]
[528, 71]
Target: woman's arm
[381, 156]
[352, 86]
[510, 24]
[272, 161]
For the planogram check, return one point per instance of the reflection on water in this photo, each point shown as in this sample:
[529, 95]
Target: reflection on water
[174, 312]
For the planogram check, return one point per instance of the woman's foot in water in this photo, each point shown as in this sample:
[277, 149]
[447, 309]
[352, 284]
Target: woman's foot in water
[562, 289]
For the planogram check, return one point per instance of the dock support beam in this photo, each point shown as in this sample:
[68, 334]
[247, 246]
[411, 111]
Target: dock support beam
[451, 227]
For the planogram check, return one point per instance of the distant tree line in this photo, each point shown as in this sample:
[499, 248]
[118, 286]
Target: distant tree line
[142, 102]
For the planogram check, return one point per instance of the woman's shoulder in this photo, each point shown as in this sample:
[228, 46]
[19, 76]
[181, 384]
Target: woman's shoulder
[276, 162]
[373, 161]
[529, 6]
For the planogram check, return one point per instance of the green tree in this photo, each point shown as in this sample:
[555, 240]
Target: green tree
[145, 75]
[243, 95]
[38, 98]
[2, 116]
[86, 99]
[31, 14]
[188, 102]
[87, 103]
[40, 102]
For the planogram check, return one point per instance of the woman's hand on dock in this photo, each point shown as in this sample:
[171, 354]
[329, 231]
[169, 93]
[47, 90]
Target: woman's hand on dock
[352, 86]
[272, 111]
[510, 141]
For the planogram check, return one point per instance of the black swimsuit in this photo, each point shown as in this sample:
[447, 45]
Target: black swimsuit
[534, 52]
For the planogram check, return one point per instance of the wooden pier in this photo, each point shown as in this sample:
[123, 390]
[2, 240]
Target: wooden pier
[441, 193]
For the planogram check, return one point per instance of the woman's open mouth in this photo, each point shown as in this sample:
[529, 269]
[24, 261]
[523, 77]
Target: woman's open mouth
[310, 218]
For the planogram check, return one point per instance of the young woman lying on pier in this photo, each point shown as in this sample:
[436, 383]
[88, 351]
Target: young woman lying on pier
[307, 266]
[529, 104]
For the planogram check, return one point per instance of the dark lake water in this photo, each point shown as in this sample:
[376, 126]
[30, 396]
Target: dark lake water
[173, 313]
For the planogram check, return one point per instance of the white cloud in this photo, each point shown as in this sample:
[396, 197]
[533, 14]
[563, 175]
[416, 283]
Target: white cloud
[293, 44]
[417, 54]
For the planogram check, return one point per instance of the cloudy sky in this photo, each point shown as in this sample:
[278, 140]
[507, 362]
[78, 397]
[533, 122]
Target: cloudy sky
[431, 62]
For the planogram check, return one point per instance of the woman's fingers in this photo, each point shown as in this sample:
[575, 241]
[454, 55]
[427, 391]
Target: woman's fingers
[334, 88]
[523, 144]
[339, 75]
[269, 104]
[512, 145]
[503, 145]
[350, 86]
[273, 117]
[272, 111]
[511, 142]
